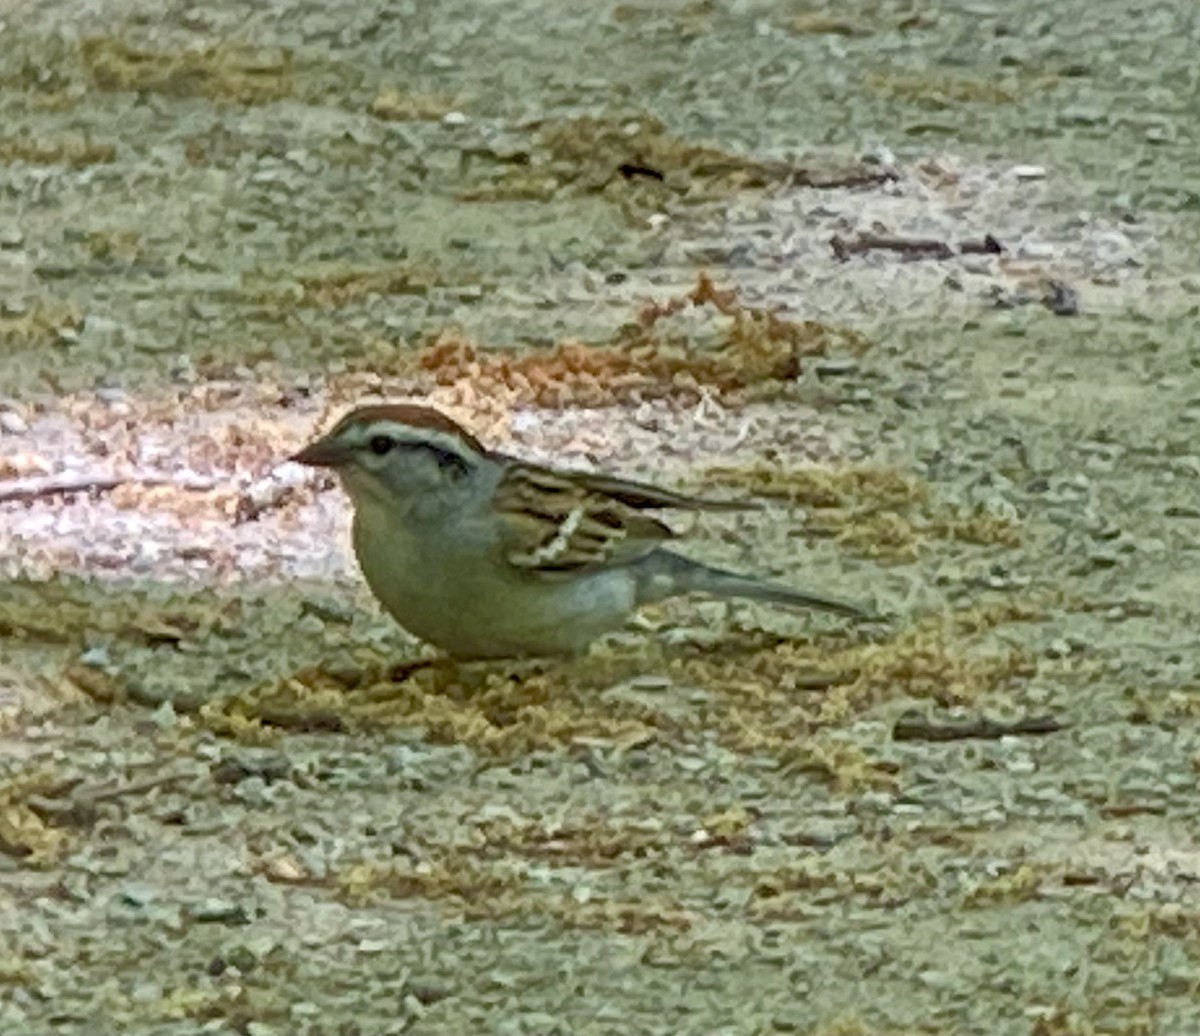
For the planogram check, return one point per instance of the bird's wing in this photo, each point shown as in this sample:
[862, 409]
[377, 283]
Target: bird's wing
[642, 494]
[558, 523]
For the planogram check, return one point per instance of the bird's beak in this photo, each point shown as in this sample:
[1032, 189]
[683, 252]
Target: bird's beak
[324, 453]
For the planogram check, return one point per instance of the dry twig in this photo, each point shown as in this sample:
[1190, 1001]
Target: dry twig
[912, 248]
[50, 486]
[912, 726]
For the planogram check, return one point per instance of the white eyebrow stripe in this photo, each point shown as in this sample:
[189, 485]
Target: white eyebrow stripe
[404, 433]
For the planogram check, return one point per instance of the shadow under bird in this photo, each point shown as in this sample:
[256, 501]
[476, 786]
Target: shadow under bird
[487, 556]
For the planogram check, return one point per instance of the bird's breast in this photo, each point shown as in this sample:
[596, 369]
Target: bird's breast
[459, 595]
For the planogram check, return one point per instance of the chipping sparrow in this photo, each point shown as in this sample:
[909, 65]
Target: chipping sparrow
[486, 556]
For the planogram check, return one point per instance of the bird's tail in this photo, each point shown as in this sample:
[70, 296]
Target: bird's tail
[666, 574]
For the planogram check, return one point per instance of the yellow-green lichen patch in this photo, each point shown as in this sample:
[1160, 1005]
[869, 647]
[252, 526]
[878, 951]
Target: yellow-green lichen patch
[493, 712]
[25, 834]
[852, 1025]
[244, 1006]
[64, 610]
[39, 325]
[937, 90]
[75, 153]
[846, 767]
[857, 19]
[592, 841]
[15, 972]
[816, 23]
[760, 701]
[334, 285]
[59, 74]
[1020, 885]
[476, 888]
[1099, 1015]
[801, 891]
[931, 660]
[220, 72]
[501, 891]
[878, 512]
[394, 105]
[686, 20]
[122, 246]
[1172, 920]
[31, 692]
[771, 701]
[1166, 705]
[877, 488]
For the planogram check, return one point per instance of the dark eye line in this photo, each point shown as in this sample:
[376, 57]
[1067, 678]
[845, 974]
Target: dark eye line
[447, 460]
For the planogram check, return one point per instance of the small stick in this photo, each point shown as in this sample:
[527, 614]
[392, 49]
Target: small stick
[301, 721]
[631, 169]
[912, 726]
[42, 488]
[51, 486]
[916, 248]
[863, 177]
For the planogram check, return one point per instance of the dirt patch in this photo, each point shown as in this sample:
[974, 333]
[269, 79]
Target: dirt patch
[881, 513]
[920, 283]
[755, 353]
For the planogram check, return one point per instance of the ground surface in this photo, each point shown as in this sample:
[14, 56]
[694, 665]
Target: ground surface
[221, 810]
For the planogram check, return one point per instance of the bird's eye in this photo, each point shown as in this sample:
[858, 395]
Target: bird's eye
[381, 444]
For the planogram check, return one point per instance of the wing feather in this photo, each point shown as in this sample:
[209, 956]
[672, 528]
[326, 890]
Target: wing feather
[559, 523]
[643, 495]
